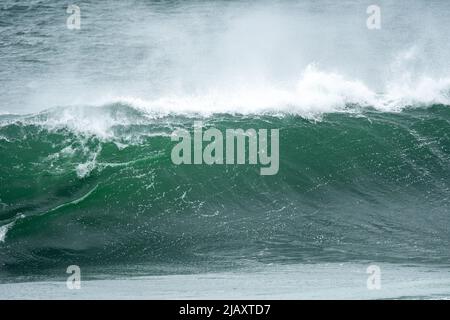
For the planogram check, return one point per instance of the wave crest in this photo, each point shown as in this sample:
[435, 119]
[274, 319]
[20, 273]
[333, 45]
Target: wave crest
[316, 93]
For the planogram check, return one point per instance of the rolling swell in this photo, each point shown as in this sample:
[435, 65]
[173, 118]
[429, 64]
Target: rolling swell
[360, 186]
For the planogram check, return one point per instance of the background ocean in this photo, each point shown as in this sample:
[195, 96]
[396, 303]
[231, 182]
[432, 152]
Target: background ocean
[86, 176]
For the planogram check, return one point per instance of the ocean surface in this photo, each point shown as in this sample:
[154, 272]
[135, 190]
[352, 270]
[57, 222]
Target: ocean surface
[86, 176]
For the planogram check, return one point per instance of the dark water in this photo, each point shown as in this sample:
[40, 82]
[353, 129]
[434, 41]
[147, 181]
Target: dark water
[367, 187]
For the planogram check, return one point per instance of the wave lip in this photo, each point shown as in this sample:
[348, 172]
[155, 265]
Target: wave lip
[315, 93]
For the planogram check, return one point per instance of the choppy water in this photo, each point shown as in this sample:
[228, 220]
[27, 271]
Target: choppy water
[85, 171]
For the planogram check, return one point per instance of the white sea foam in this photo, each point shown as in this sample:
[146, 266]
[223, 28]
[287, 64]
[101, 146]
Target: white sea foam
[4, 138]
[84, 169]
[315, 93]
[4, 230]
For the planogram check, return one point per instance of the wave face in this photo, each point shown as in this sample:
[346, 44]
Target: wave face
[351, 187]
[86, 117]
